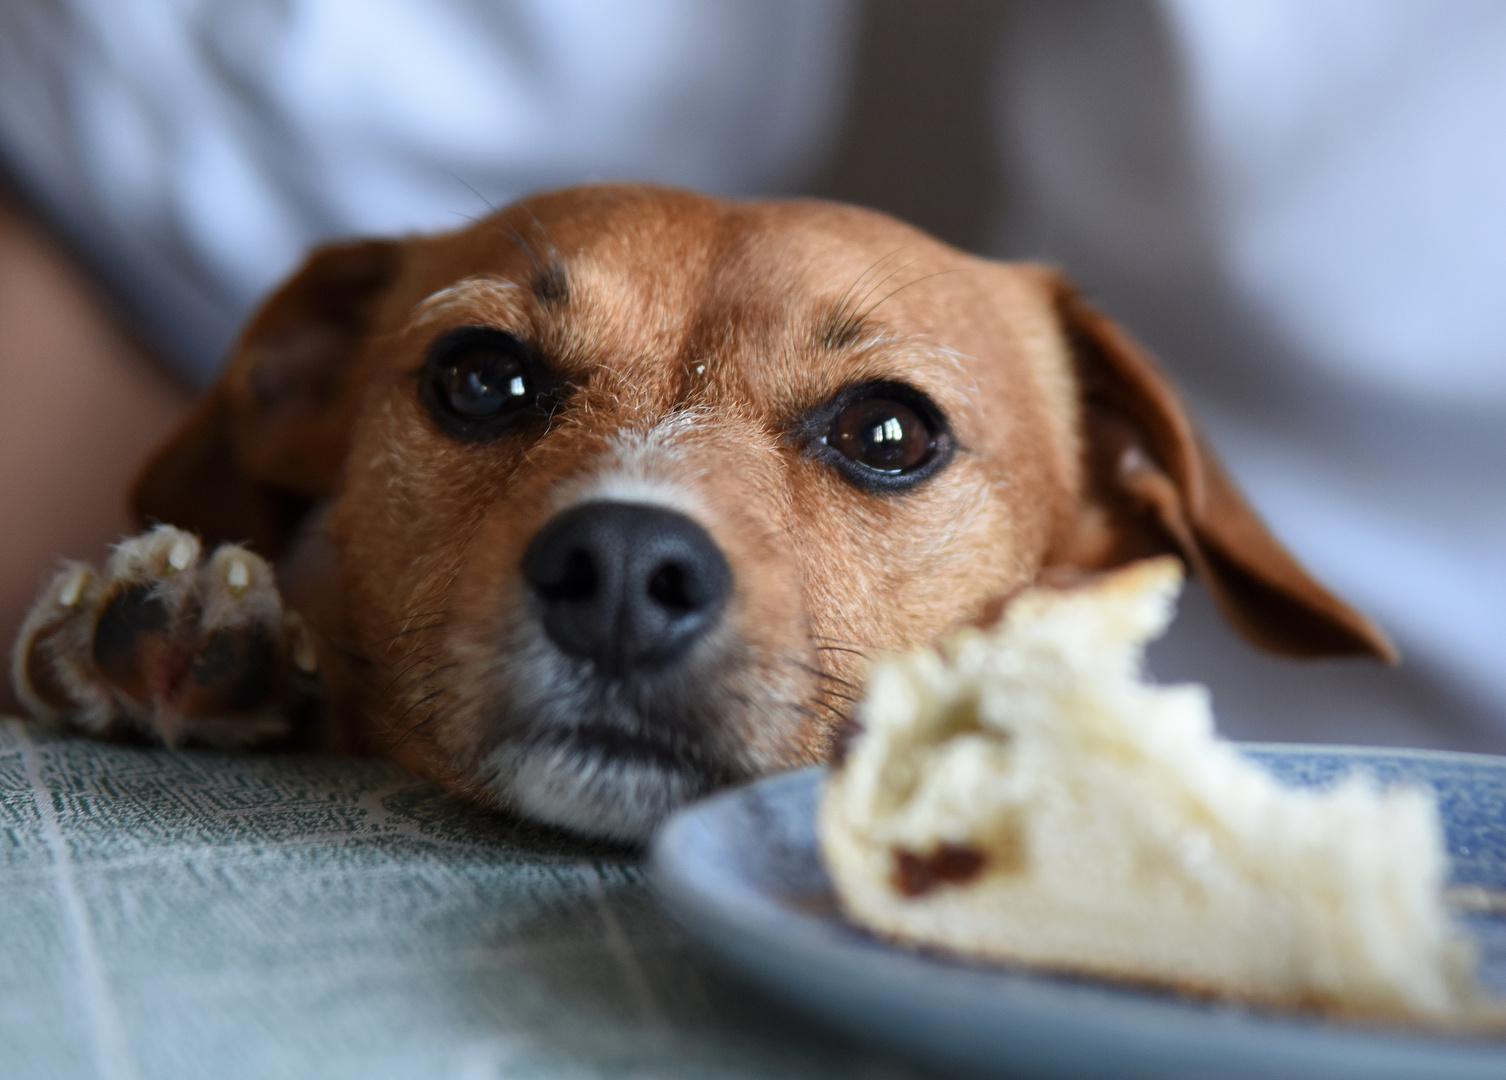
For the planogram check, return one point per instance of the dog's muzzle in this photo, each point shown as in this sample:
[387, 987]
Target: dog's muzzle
[627, 586]
[613, 709]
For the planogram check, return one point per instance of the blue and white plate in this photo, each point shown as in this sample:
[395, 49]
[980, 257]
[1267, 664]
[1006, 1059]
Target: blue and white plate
[742, 872]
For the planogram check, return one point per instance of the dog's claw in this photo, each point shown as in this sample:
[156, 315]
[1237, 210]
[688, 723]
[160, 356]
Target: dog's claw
[182, 553]
[305, 656]
[72, 583]
[51, 668]
[237, 577]
[170, 646]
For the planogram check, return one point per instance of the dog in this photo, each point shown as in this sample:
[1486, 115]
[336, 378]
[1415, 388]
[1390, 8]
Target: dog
[603, 503]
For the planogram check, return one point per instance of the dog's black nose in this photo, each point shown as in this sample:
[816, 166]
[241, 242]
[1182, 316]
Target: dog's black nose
[626, 585]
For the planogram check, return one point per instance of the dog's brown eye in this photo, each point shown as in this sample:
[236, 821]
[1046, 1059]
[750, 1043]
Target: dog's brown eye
[479, 382]
[483, 381]
[883, 435]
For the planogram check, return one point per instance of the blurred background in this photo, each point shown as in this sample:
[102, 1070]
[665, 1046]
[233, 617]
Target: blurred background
[1300, 205]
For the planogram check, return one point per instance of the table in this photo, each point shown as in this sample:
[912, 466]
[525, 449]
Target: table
[188, 914]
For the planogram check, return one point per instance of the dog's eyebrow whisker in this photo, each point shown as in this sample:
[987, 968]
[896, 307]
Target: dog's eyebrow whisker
[547, 280]
[554, 255]
[839, 311]
[853, 325]
[511, 231]
[490, 206]
[857, 318]
[906, 285]
[842, 324]
[863, 277]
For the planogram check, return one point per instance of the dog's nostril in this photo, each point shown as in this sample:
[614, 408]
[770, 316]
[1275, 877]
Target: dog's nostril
[668, 588]
[625, 585]
[578, 579]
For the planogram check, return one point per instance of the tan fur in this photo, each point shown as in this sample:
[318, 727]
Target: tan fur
[695, 332]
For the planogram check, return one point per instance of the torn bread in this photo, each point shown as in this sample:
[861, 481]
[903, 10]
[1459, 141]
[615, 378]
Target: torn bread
[1022, 795]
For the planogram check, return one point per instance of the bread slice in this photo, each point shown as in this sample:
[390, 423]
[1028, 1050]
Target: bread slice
[1022, 795]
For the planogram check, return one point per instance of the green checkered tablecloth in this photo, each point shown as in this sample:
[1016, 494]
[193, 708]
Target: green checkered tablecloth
[168, 915]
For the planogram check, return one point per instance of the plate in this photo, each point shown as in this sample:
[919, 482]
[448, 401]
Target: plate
[741, 871]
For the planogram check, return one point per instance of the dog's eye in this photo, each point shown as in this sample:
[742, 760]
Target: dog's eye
[884, 435]
[482, 378]
[484, 381]
[476, 380]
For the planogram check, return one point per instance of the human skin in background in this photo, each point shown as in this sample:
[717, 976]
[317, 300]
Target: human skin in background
[81, 404]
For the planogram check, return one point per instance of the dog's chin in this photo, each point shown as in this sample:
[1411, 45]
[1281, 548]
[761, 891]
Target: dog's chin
[580, 786]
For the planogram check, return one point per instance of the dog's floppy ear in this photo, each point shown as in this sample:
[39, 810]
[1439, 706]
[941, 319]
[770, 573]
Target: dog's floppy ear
[1154, 485]
[268, 438]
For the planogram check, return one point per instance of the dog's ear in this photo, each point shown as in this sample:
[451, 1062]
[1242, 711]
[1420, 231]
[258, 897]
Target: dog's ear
[266, 442]
[1153, 485]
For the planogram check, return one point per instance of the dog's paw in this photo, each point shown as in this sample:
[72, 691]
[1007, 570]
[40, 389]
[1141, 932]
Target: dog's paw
[172, 646]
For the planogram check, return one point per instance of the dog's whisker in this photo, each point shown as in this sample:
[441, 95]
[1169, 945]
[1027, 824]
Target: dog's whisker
[404, 633]
[841, 309]
[399, 676]
[837, 680]
[410, 617]
[828, 692]
[543, 232]
[824, 713]
[853, 326]
[906, 285]
[417, 647]
[858, 313]
[427, 699]
[864, 653]
[839, 331]
[490, 206]
[814, 635]
[428, 675]
[818, 672]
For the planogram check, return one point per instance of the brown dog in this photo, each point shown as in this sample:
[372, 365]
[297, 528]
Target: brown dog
[601, 503]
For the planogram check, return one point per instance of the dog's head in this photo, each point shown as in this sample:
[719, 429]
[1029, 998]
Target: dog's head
[623, 484]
